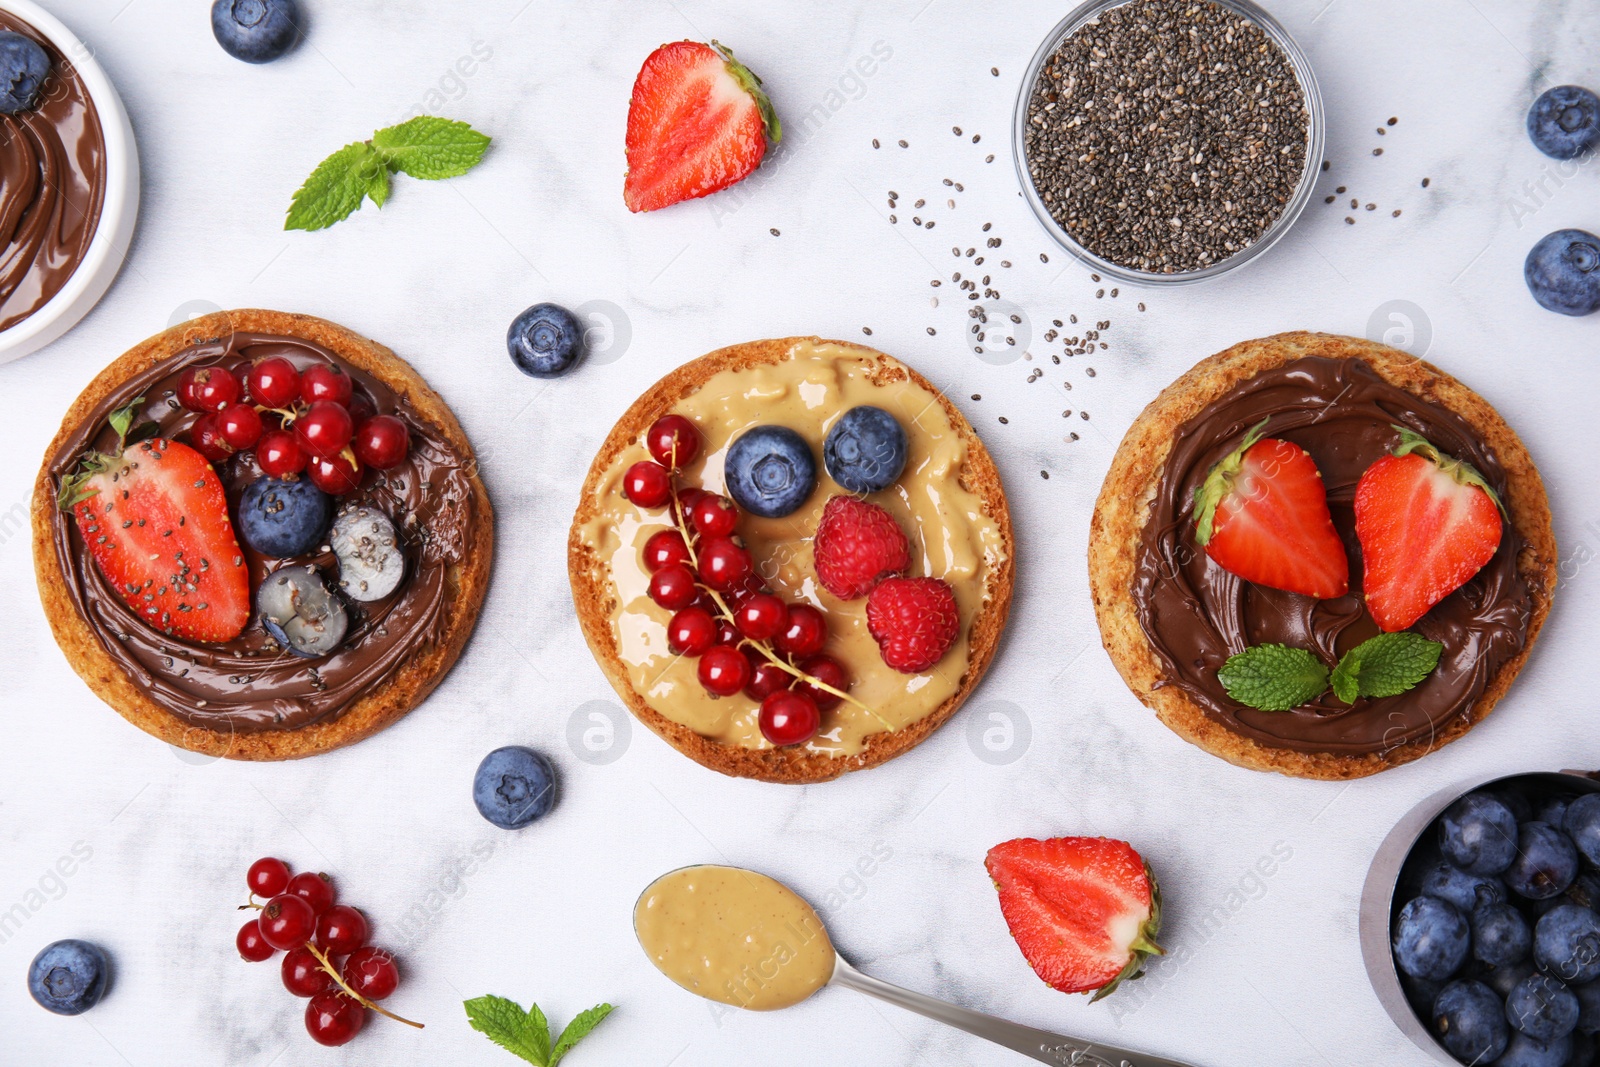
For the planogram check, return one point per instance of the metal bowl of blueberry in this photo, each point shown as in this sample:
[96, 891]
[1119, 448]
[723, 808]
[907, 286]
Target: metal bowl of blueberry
[1479, 922]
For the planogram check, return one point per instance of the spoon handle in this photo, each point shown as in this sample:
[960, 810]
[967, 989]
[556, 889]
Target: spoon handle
[1040, 1045]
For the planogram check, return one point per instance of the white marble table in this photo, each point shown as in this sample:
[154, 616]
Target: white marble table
[1263, 970]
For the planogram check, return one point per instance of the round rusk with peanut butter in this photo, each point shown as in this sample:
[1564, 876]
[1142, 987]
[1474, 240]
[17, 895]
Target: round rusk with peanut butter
[948, 500]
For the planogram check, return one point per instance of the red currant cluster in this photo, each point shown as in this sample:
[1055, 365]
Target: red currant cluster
[295, 420]
[301, 918]
[746, 639]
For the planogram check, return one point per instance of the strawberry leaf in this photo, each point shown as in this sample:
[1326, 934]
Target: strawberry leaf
[1386, 665]
[1217, 484]
[750, 83]
[1274, 677]
[1459, 469]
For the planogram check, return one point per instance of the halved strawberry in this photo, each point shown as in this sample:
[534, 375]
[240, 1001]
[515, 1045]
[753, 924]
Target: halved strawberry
[1084, 910]
[1262, 514]
[154, 516]
[697, 123]
[1427, 523]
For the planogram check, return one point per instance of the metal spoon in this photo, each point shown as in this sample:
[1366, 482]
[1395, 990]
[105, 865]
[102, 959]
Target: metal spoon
[1039, 1045]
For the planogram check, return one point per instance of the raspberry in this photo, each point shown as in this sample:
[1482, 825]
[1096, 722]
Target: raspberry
[914, 621]
[856, 545]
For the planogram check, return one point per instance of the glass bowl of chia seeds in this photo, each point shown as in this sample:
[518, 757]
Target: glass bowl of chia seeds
[1164, 142]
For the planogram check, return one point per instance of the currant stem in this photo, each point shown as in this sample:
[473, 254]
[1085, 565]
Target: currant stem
[337, 977]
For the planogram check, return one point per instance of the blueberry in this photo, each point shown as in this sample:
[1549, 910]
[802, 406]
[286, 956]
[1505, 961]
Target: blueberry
[69, 977]
[1585, 890]
[1563, 272]
[1542, 1007]
[1554, 810]
[545, 341]
[1588, 996]
[865, 451]
[1525, 1051]
[1478, 834]
[24, 64]
[371, 561]
[1470, 1022]
[1421, 993]
[1465, 891]
[1504, 979]
[770, 471]
[283, 519]
[514, 786]
[1582, 824]
[1546, 862]
[1431, 939]
[1500, 935]
[300, 613]
[256, 31]
[1566, 943]
[1564, 122]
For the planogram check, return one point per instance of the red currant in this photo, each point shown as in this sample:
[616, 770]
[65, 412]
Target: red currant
[714, 516]
[315, 888]
[288, 921]
[674, 441]
[728, 634]
[268, 877]
[766, 679]
[214, 389]
[361, 409]
[829, 671]
[723, 563]
[240, 426]
[382, 442]
[274, 382]
[760, 616]
[805, 634]
[333, 1018]
[371, 972]
[688, 498]
[324, 381]
[207, 439]
[673, 587]
[341, 930]
[691, 631]
[279, 454]
[336, 476]
[186, 389]
[789, 718]
[724, 671]
[241, 372]
[303, 975]
[664, 547]
[325, 429]
[649, 485]
[252, 946]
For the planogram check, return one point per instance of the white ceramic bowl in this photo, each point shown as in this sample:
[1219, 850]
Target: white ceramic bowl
[119, 209]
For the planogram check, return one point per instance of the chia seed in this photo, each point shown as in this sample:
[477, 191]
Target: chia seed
[1165, 136]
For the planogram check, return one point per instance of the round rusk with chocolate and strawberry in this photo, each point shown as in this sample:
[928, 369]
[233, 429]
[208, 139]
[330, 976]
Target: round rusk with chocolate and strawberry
[792, 559]
[1321, 556]
[261, 536]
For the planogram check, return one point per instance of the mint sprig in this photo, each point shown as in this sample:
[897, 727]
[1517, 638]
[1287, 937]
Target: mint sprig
[425, 147]
[526, 1034]
[1279, 678]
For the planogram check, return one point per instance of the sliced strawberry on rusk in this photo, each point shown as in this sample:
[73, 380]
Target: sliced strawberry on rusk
[1085, 911]
[154, 517]
[1262, 514]
[1427, 523]
[698, 122]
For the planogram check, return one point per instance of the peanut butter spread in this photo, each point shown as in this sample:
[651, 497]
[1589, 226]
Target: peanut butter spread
[951, 538]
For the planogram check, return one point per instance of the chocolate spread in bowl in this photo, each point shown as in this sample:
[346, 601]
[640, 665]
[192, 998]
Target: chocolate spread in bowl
[52, 185]
[1195, 614]
[249, 684]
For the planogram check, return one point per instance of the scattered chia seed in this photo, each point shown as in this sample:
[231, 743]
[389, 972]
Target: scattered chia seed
[875, 143]
[1330, 200]
[995, 71]
[956, 130]
[893, 219]
[1166, 137]
[1341, 189]
[1396, 213]
[1382, 131]
[1326, 165]
[936, 283]
[1004, 421]
[867, 330]
[1354, 203]
[931, 331]
[1141, 305]
[1425, 182]
[1392, 121]
[1045, 475]
[774, 231]
[1372, 207]
[988, 159]
[1043, 258]
[1377, 151]
[904, 145]
[1072, 436]
[1349, 220]
[976, 138]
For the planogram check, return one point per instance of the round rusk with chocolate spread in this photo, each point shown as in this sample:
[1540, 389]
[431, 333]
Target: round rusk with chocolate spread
[1170, 616]
[247, 698]
[948, 500]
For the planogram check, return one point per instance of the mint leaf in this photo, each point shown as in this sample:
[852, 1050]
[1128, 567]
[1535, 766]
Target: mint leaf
[523, 1034]
[1389, 664]
[335, 189]
[378, 186]
[1346, 677]
[430, 147]
[578, 1029]
[1274, 677]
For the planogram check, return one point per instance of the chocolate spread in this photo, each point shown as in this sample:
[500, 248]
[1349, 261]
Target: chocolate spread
[1195, 614]
[250, 684]
[52, 184]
